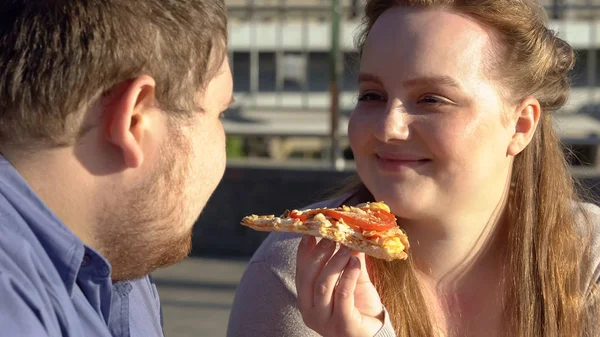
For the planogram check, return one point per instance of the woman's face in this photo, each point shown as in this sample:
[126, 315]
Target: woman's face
[429, 132]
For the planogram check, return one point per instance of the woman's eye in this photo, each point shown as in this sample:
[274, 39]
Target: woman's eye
[371, 96]
[432, 99]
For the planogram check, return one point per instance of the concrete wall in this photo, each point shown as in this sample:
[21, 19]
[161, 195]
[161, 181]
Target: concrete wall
[244, 191]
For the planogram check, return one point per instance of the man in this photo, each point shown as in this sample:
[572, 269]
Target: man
[111, 146]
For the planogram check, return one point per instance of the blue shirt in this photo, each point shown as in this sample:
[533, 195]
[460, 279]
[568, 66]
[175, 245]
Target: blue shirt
[51, 284]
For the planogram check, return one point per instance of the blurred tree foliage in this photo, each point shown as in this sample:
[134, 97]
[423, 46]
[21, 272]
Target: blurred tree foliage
[235, 147]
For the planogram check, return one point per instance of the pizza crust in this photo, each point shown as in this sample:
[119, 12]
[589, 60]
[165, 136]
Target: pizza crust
[389, 245]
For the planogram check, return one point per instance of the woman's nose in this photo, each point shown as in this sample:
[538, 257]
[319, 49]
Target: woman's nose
[392, 125]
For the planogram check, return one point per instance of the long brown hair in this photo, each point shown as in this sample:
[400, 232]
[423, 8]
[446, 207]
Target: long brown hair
[547, 287]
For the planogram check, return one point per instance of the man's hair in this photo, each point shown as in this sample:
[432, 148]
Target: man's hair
[58, 56]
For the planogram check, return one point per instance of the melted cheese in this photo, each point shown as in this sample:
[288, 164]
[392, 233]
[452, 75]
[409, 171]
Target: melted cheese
[375, 205]
[394, 244]
[322, 219]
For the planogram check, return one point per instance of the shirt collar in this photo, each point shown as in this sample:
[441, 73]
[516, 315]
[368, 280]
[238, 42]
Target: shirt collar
[62, 246]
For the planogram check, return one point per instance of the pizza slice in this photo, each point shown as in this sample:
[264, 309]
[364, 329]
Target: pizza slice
[369, 227]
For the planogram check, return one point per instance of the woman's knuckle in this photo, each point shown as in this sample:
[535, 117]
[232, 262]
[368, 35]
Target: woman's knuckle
[343, 293]
[322, 288]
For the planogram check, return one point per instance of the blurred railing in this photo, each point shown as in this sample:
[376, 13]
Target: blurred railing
[281, 55]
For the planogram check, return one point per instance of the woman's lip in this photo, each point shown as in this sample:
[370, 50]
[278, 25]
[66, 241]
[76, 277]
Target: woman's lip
[401, 158]
[397, 164]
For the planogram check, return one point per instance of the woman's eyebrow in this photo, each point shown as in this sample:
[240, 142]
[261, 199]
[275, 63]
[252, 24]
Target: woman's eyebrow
[432, 80]
[418, 81]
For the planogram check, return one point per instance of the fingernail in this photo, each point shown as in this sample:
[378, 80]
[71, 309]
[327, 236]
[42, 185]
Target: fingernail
[354, 262]
[327, 243]
[345, 251]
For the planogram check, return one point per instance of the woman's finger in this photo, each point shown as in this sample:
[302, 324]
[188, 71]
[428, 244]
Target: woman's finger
[326, 283]
[305, 247]
[308, 269]
[344, 293]
[364, 274]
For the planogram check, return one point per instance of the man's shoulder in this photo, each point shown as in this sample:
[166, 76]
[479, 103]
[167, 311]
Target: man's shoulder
[23, 259]
[23, 284]
[35, 244]
[20, 260]
[15, 242]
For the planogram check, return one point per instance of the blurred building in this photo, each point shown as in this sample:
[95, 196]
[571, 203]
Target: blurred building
[280, 56]
[573, 9]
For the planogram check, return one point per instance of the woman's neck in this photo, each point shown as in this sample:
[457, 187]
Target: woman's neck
[459, 266]
[450, 250]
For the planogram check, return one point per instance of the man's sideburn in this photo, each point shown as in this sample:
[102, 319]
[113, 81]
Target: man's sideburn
[143, 229]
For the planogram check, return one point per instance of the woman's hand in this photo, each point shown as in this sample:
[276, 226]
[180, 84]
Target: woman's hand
[335, 295]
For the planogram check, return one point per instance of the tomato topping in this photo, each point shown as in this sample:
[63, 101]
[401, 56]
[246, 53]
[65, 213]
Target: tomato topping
[295, 215]
[377, 220]
[374, 220]
[384, 216]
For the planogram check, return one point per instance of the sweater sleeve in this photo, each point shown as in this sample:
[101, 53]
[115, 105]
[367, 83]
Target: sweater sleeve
[264, 306]
[591, 223]
[387, 330]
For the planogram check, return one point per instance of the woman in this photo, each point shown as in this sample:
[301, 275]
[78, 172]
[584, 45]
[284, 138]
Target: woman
[453, 130]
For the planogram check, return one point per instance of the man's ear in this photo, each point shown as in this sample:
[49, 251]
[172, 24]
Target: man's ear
[525, 121]
[126, 114]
